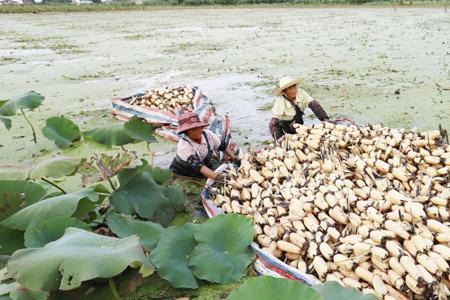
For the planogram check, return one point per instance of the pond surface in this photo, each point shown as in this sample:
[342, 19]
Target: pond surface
[368, 64]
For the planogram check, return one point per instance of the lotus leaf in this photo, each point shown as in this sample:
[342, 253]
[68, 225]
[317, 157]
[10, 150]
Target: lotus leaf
[62, 131]
[23, 294]
[17, 194]
[73, 204]
[29, 100]
[77, 256]
[18, 292]
[6, 288]
[6, 122]
[123, 226]
[172, 254]
[140, 130]
[10, 240]
[140, 193]
[56, 167]
[50, 230]
[269, 288]
[223, 253]
[334, 291]
[266, 287]
[111, 135]
[161, 176]
[14, 172]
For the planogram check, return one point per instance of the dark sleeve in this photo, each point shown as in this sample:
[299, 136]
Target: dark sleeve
[196, 162]
[224, 142]
[275, 128]
[318, 110]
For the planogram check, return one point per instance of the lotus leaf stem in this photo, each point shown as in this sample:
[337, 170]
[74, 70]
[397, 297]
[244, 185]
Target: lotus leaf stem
[113, 289]
[111, 184]
[55, 185]
[31, 125]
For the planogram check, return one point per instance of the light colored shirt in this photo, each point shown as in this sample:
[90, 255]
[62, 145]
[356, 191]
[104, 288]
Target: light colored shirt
[187, 147]
[283, 108]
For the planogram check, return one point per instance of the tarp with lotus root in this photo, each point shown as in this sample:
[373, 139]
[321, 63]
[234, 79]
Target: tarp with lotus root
[165, 118]
[265, 263]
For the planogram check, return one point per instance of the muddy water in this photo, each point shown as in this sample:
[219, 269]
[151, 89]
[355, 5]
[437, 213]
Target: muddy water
[354, 60]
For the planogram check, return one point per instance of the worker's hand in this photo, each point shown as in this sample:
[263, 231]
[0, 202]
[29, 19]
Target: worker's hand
[237, 161]
[220, 177]
[220, 155]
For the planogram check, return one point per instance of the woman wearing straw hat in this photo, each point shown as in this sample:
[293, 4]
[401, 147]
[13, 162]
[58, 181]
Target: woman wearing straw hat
[197, 148]
[289, 107]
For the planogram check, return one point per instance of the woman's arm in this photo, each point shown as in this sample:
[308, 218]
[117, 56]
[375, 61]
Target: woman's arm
[207, 172]
[318, 110]
[275, 128]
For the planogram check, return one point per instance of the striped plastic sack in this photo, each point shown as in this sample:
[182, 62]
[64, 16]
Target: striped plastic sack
[167, 121]
[265, 263]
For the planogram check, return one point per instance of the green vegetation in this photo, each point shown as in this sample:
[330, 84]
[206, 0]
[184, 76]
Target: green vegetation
[62, 131]
[74, 236]
[8, 108]
[70, 244]
[267, 288]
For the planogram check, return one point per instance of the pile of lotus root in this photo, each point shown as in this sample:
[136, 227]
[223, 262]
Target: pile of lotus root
[367, 207]
[166, 99]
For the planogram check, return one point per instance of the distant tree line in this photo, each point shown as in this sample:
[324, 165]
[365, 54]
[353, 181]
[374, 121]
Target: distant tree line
[233, 2]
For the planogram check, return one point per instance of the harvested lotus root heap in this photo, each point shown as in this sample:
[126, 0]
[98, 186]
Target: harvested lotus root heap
[367, 207]
[166, 99]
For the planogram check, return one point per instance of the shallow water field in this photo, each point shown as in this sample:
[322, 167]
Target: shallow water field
[368, 64]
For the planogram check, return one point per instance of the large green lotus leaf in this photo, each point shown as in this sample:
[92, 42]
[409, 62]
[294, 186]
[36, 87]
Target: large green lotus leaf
[140, 193]
[6, 288]
[161, 176]
[176, 197]
[111, 135]
[269, 288]
[17, 194]
[21, 293]
[334, 291]
[171, 256]
[223, 253]
[14, 172]
[49, 230]
[140, 130]
[123, 226]
[62, 131]
[10, 240]
[55, 167]
[6, 122]
[137, 192]
[77, 256]
[73, 204]
[29, 100]
[166, 213]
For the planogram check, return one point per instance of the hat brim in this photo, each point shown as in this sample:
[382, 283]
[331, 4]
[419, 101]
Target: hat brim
[191, 126]
[278, 91]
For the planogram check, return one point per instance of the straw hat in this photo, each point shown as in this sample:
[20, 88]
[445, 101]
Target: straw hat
[284, 83]
[188, 121]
